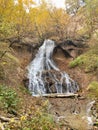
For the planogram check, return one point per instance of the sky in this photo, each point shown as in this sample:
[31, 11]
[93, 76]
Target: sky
[57, 3]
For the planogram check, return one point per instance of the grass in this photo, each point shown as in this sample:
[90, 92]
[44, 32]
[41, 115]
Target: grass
[93, 89]
[87, 61]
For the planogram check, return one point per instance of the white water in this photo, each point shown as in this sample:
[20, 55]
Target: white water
[43, 63]
[89, 115]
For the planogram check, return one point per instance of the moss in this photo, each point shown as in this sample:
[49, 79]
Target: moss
[88, 61]
[93, 89]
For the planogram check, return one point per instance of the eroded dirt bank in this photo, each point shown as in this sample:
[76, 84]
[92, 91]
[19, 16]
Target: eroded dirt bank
[71, 113]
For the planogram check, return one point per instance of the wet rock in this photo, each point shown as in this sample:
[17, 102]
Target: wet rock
[26, 82]
[53, 89]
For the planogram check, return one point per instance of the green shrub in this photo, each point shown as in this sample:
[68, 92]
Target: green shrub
[77, 62]
[88, 61]
[8, 97]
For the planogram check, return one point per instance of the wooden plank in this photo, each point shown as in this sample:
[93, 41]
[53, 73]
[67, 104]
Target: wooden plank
[59, 95]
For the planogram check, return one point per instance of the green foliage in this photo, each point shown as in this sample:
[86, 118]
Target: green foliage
[93, 89]
[88, 61]
[8, 97]
[76, 62]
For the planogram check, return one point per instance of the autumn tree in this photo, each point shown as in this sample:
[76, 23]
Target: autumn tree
[91, 15]
[60, 20]
[14, 18]
[6, 8]
[20, 18]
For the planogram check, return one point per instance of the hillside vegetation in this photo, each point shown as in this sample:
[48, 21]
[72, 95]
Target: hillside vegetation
[78, 23]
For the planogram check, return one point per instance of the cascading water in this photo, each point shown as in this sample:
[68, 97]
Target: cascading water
[45, 77]
[89, 115]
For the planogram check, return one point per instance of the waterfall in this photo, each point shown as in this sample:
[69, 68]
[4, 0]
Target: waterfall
[45, 77]
[89, 115]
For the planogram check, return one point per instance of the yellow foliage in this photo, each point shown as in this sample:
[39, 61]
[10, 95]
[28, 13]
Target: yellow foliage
[23, 118]
[39, 20]
[12, 120]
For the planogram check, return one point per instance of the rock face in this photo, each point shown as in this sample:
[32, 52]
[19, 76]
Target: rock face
[69, 48]
[50, 74]
[45, 77]
[50, 78]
